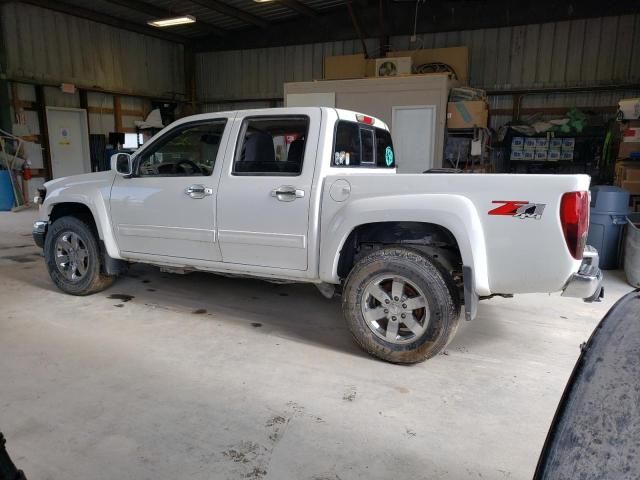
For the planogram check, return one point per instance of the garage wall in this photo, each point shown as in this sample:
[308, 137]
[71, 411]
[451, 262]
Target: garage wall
[50, 47]
[598, 51]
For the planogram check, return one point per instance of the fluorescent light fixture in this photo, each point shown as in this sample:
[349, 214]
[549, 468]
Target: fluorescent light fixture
[170, 22]
[263, 1]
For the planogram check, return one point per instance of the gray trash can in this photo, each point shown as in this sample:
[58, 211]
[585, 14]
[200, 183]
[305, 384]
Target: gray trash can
[632, 250]
[609, 208]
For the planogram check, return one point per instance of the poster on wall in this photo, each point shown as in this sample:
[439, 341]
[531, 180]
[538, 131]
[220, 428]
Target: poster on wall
[64, 137]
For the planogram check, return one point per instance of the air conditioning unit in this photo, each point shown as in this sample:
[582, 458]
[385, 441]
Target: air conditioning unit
[392, 66]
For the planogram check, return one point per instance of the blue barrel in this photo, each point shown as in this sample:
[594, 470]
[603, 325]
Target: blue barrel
[609, 209]
[6, 191]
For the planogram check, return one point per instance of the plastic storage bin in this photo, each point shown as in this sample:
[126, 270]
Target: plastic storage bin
[6, 191]
[632, 250]
[609, 209]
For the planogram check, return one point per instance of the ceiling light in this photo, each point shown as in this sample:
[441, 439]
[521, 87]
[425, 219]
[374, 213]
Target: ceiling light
[263, 1]
[170, 22]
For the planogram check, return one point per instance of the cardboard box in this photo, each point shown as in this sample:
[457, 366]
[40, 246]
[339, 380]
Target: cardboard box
[568, 144]
[631, 186]
[343, 67]
[626, 148]
[553, 155]
[567, 156]
[555, 143]
[626, 170]
[541, 155]
[530, 143]
[632, 174]
[631, 134]
[517, 155]
[528, 155]
[542, 143]
[467, 114]
[517, 143]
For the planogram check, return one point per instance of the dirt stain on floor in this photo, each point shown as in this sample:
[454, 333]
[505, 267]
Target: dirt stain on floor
[199, 311]
[256, 324]
[123, 297]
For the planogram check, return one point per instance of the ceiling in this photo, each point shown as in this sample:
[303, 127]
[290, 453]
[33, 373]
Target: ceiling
[238, 24]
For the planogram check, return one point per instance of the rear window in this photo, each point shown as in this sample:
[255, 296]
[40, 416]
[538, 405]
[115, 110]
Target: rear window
[358, 145]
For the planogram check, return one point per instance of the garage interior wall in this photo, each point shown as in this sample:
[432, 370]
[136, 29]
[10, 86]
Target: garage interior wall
[47, 47]
[576, 53]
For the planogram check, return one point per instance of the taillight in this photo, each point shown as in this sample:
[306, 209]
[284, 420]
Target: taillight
[574, 217]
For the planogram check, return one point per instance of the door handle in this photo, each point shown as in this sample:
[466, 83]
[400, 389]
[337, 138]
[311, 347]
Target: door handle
[198, 191]
[287, 193]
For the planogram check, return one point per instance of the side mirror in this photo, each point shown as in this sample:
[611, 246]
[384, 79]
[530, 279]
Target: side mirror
[122, 164]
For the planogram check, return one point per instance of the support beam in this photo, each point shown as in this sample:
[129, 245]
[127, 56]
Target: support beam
[92, 15]
[117, 113]
[152, 11]
[444, 16]
[44, 130]
[301, 8]
[356, 25]
[6, 122]
[230, 11]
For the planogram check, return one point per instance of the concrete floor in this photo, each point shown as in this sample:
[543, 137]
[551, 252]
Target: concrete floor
[206, 377]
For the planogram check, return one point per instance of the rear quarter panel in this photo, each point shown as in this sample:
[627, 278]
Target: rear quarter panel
[508, 254]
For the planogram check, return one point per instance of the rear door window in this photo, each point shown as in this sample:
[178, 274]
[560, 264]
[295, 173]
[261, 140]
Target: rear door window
[358, 145]
[272, 146]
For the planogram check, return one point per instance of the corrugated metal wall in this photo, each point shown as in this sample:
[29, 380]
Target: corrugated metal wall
[51, 47]
[260, 73]
[587, 52]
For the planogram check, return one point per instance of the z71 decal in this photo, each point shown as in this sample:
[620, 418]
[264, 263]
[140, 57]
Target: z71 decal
[518, 209]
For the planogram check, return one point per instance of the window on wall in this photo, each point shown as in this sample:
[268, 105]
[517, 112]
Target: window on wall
[272, 146]
[189, 151]
[358, 145]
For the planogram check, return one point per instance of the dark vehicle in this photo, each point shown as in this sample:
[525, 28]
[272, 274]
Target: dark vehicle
[8, 470]
[596, 430]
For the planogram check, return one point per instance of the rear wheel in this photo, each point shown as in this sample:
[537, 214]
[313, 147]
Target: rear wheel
[400, 305]
[73, 257]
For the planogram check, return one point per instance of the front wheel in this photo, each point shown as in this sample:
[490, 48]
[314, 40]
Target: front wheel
[73, 257]
[400, 305]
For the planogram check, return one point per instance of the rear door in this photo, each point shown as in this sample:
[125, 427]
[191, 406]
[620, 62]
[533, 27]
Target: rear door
[265, 189]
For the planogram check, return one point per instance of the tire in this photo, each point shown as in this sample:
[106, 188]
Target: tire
[415, 280]
[72, 239]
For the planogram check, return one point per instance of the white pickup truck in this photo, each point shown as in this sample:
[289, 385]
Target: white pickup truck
[312, 195]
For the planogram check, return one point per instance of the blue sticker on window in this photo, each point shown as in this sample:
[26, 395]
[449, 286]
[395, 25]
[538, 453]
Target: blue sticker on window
[388, 156]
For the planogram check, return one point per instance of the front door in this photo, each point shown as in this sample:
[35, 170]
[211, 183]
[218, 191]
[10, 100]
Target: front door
[168, 207]
[69, 141]
[263, 206]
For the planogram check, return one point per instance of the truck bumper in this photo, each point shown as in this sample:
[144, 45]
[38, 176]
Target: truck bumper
[39, 232]
[586, 283]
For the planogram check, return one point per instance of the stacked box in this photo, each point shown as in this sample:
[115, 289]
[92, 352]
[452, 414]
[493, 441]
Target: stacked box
[568, 144]
[517, 143]
[528, 154]
[517, 155]
[541, 155]
[555, 144]
[542, 143]
[553, 155]
[529, 143]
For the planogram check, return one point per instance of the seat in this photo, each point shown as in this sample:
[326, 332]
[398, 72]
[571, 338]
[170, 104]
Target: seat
[294, 157]
[258, 154]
